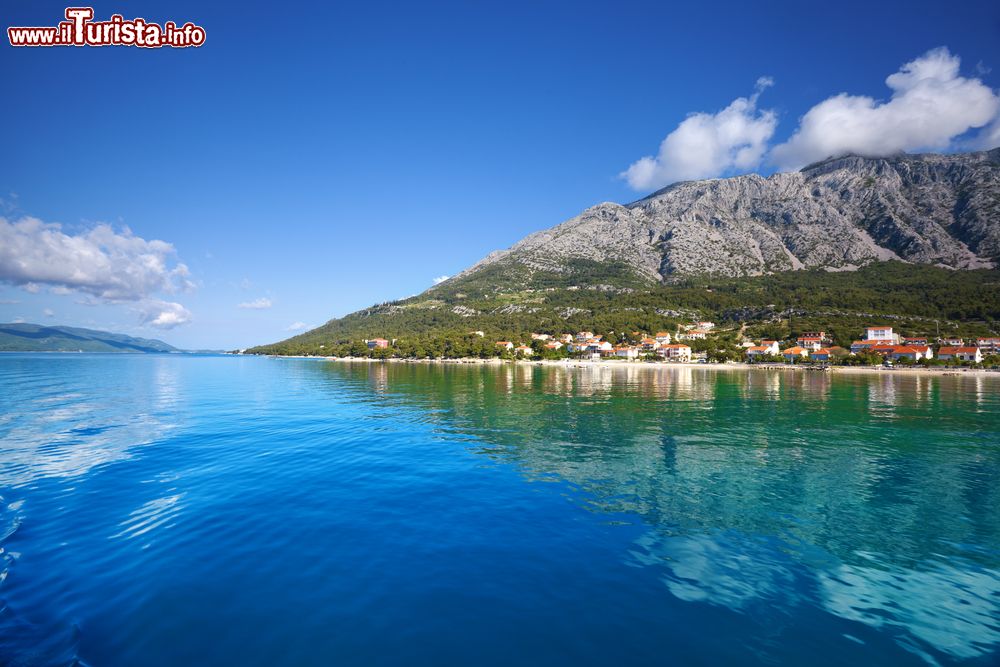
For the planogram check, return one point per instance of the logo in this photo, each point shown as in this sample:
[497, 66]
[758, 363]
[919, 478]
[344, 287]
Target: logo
[79, 29]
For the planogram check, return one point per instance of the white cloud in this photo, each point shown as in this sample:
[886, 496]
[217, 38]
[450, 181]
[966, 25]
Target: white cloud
[8, 302]
[931, 105]
[257, 304]
[115, 266]
[18, 320]
[48, 312]
[440, 279]
[988, 138]
[164, 314]
[102, 264]
[707, 145]
[296, 326]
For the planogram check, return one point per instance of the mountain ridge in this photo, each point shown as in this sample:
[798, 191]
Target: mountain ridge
[907, 235]
[839, 214]
[26, 337]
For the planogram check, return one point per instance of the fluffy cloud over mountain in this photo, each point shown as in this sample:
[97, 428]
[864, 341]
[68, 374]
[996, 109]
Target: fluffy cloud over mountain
[706, 145]
[931, 104]
[932, 107]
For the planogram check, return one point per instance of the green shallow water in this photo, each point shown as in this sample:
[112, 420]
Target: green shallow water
[272, 511]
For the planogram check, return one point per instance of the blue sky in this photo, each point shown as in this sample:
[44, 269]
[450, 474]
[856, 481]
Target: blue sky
[314, 159]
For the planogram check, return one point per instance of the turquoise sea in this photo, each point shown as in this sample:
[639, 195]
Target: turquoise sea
[181, 510]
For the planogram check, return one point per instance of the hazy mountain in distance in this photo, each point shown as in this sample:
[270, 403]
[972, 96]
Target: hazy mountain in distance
[16, 337]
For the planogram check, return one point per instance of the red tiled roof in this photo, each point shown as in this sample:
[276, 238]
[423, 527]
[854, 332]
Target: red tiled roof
[958, 350]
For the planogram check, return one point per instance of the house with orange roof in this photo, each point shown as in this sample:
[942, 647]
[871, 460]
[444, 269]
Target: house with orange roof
[553, 345]
[966, 353]
[794, 352]
[675, 352]
[523, 350]
[911, 352]
[859, 346]
[649, 344]
[505, 344]
[662, 337]
[811, 343]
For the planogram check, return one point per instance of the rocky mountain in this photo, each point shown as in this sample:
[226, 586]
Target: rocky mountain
[18, 337]
[843, 243]
[839, 214]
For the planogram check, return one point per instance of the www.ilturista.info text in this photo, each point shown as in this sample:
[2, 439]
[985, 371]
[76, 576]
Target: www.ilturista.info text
[79, 29]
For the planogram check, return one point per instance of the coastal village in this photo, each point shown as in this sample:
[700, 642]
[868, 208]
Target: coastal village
[876, 345]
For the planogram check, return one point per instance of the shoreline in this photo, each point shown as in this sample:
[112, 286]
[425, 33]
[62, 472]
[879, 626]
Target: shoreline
[616, 363]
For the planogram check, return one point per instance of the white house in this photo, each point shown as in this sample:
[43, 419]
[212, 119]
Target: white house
[911, 352]
[972, 354]
[649, 344]
[793, 353]
[811, 343]
[693, 334]
[758, 351]
[882, 335]
[675, 352]
[627, 352]
[662, 337]
[988, 345]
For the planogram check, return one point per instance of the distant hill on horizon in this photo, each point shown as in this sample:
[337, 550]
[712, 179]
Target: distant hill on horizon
[25, 337]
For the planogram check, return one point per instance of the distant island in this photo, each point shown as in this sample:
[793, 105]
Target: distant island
[18, 337]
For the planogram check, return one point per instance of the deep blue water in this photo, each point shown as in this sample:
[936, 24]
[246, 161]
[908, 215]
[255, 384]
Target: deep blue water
[165, 510]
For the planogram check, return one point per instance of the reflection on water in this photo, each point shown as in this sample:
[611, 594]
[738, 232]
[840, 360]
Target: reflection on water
[52, 429]
[164, 510]
[873, 497]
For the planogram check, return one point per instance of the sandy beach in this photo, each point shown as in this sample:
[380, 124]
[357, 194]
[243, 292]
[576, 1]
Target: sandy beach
[617, 363]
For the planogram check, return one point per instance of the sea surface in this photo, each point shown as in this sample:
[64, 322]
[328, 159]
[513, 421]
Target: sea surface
[210, 510]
